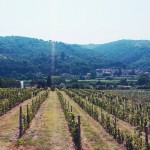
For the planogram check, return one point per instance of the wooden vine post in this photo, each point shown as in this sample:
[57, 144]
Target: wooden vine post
[28, 119]
[32, 106]
[79, 134]
[32, 102]
[101, 112]
[123, 108]
[68, 105]
[71, 108]
[86, 102]
[115, 125]
[115, 121]
[92, 106]
[82, 105]
[20, 123]
[79, 126]
[146, 135]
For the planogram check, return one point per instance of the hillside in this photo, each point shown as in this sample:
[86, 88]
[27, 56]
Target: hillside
[133, 53]
[27, 58]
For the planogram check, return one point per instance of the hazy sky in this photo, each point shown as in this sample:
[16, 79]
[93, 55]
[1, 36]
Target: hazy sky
[76, 21]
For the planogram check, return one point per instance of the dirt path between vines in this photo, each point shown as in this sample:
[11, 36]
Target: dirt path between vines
[49, 129]
[93, 136]
[9, 125]
[123, 126]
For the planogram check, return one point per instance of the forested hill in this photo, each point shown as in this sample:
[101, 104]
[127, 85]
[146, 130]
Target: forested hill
[22, 57]
[133, 53]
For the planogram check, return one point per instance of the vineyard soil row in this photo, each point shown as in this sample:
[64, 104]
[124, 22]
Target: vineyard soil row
[124, 126]
[9, 125]
[49, 129]
[93, 136]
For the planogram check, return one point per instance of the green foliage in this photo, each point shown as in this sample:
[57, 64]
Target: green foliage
[20, 142]
[49, 81]
[9, 83]
[32, 110]
[135, 113]
[70, 117]
[57, 80]
[41, 84]
[29, 58]
[9, 98]
[144, 80]
[123, 82]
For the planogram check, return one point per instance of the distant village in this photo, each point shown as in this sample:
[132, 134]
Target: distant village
[119, 72]
[101, 73]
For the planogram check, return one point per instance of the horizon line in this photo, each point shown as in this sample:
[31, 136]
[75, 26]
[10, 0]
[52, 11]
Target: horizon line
[70, 43]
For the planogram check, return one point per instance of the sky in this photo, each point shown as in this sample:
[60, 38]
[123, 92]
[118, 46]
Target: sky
[76, 21]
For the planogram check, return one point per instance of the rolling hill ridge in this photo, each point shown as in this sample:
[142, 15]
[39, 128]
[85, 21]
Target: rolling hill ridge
[26, 57]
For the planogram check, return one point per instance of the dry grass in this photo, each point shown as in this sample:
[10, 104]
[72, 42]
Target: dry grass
[9, 126]
[93, 136]
[49, 129]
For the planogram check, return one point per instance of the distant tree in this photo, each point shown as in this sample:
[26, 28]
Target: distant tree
[49, 81]
[23, 77]
[133, 72]
[30, 75]
[0, 82]
[62, 55]
[98, 83]
[108, 78]
[81, 86]
[143, 80]
[123, 82]
[93, 74]
[120, 72]
[107, 85]
[9, 83]
[74, 80]
[58, 80]
[106, 74]
[75, 85]
[81, 77]
[41, 84]
[14, 75]
[115, 85]
[33, 82]
[131, 83]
